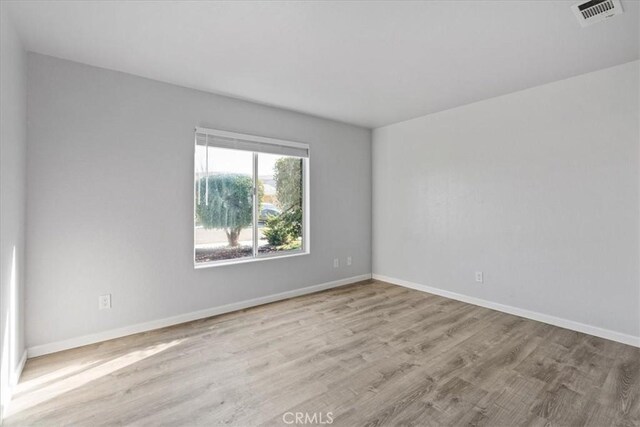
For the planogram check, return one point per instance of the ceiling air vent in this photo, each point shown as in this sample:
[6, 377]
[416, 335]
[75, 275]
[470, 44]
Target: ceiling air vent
[592, 11]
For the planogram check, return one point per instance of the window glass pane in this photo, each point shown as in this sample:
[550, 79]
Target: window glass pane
[280, 211]
[223, 204]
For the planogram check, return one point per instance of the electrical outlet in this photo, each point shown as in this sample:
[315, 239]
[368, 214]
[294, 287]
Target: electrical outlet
[336, 262]
[104, 302]
[479, 277]
[348, 260]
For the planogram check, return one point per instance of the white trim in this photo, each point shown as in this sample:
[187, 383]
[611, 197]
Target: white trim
[14, 378]
[256, 208]
[306, 208]
[246, 260]
[247, 137]
[53, 347]
[533, 315]
[17, 371]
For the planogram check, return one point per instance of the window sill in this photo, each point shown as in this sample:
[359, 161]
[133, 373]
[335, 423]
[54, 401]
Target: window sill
[247, 260]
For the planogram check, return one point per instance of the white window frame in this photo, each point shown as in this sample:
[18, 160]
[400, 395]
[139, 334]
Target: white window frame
[306, 217]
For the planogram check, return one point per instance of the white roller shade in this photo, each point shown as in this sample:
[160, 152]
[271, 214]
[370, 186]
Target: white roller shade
[259, 144]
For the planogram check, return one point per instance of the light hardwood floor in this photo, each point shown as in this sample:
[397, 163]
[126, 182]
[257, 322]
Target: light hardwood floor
[368, 354]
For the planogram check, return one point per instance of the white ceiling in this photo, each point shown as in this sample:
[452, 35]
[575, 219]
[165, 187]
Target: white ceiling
[367, 63]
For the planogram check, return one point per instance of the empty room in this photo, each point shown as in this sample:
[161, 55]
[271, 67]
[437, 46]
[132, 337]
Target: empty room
[312, 213]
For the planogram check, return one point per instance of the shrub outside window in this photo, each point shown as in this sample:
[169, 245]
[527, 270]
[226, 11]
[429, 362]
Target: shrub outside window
[250, 198]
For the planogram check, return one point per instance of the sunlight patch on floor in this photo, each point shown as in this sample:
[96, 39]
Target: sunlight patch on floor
[57, 388]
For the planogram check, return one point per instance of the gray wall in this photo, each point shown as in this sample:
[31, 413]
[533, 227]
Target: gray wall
[110, 164]
[538, 189]
[13, 143]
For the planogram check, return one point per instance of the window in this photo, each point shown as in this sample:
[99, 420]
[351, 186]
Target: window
[250, 197]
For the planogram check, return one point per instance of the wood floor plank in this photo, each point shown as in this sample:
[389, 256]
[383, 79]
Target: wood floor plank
[369, 354]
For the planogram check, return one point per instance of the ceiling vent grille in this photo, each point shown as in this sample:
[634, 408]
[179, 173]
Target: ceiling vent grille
[592, 11]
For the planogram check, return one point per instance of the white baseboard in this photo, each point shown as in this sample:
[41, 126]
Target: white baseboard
[54, 347]
[533, 315]
[14, 377]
